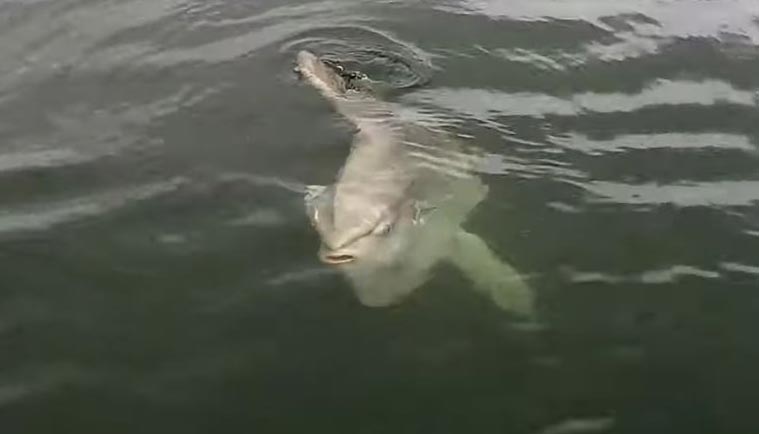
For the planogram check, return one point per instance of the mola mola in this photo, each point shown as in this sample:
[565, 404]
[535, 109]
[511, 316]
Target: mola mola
[397, 206]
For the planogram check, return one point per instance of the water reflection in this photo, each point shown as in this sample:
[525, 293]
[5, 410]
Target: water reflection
[484, 104]
[656, 277]
[662, 141]
[48, 215]
[152, 154]
[651, 18]
[580, 426]
[715, 194]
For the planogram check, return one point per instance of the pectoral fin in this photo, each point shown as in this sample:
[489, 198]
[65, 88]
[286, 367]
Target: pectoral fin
[422, 210]
[313, 192]
[315, 195]
[492, 277]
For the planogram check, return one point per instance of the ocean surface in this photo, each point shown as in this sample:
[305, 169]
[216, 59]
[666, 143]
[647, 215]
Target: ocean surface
[158, 273]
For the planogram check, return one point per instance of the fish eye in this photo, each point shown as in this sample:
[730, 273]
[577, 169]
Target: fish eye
[383, 228]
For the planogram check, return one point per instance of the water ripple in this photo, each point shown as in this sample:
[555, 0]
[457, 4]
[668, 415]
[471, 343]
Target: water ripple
[154, 155]
[46, 158]
[741, 268]
[484, 104]
[39, 380]
[662, 141]
[384, 57]
[46, 216]
[647, 17]
[670, 274]
[711, 194]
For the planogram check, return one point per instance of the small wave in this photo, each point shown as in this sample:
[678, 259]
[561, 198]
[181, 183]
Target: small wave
[47, 216]
[670, 274]
[482, 104]
[239, 45]
[673, 18]
[265, 181]
[740, 268]
[45, 158]
[263, 217]
[712, 194]
[580, 426]
[622, 143]
[38, 380]
[623, 30]
[496, 164]
[300, 275]
[59, 34]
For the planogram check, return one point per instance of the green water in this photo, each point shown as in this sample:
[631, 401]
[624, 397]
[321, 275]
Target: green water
[158, 273]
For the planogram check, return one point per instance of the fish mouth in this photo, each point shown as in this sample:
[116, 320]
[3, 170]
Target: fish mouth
[305, 61]
[322, 74]
[337, 259]
[309, 65]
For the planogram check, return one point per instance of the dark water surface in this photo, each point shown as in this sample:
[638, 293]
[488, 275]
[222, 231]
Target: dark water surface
[158, 273]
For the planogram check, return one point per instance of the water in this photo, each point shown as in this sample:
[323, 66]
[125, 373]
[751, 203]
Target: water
[158, 273]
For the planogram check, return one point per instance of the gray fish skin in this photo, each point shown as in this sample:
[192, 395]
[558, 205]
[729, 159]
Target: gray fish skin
[396, 208]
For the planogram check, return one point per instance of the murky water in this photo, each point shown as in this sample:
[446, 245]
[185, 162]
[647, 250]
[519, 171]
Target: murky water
[158, 273]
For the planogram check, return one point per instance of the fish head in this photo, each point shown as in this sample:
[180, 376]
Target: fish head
[387, 249]
[385, 253]
[359, 232]
[326, 76]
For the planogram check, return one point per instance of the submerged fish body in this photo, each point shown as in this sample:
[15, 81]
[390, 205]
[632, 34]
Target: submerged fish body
[396, 208]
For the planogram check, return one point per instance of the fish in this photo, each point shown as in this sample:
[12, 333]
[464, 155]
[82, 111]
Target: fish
[396, 209]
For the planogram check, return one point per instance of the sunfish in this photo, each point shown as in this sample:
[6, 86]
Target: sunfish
[397, 205]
